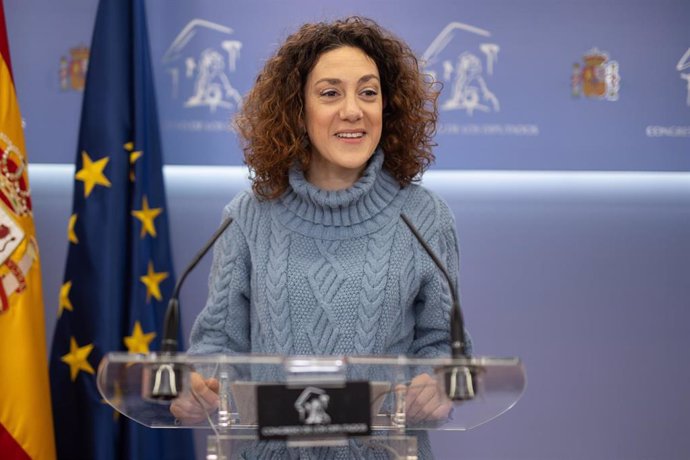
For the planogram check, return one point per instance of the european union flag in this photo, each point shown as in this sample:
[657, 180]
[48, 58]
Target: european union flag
[119, 272]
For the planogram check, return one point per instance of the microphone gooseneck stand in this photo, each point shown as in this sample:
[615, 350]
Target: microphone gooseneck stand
[459, 380]
[167, 377]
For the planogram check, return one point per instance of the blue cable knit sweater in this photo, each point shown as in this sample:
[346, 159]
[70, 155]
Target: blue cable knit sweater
[331, 272]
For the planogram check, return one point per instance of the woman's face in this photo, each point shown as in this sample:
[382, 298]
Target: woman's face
[343, 116]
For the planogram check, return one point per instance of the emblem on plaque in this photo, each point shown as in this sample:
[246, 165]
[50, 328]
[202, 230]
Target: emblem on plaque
[311, 406]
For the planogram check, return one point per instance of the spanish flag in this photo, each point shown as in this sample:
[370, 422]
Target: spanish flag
[26, 424]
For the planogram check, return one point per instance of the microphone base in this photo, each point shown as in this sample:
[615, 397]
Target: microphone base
[164, 381]
[460, 382]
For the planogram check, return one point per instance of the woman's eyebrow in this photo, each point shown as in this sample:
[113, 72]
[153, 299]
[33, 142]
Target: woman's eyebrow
[336, 81]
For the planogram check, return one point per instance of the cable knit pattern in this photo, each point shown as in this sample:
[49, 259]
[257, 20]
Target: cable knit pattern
[326, 274]
[277, 291]
[330, 272]
[376, 263]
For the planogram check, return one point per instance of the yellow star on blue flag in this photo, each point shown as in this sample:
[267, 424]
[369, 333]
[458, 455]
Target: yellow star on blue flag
[77, 359]
[91, 173]
[146, 216]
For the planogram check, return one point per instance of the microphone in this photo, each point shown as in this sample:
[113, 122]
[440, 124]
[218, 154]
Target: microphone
[459, 380]
[167, 381]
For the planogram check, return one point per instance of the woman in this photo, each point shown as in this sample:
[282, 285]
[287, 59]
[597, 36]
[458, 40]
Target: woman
[318, 261]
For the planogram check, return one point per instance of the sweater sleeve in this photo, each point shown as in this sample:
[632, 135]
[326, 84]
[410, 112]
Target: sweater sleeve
[434, 302]
[223, 324]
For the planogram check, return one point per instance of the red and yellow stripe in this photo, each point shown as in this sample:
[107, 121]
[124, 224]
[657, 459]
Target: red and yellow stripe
[26, 422]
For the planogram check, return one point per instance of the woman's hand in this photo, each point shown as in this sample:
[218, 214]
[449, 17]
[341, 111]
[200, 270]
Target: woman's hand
[193, 406]
[425, 401]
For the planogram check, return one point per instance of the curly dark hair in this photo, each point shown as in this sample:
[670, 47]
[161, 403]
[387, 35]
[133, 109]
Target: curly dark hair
[271, 120]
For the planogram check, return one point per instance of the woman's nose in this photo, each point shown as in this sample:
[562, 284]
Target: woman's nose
[351, 110]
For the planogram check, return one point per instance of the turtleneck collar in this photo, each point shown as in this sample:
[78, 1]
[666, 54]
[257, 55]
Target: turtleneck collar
[363, 208]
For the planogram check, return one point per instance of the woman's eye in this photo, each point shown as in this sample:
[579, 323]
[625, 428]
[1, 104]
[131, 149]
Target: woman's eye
[370, 93]
[329, 93]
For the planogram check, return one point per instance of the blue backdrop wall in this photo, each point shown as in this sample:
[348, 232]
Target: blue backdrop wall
[564, 151]
[528, 84]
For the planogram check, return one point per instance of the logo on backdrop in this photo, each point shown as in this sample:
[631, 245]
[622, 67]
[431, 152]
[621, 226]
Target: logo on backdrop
[683, 67]
[464, 58]
[464, 72]
[684, 64]
[596, 76]
[200, 75]
[73, 68]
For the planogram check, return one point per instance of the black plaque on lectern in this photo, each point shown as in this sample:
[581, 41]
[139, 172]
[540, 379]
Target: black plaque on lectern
[313, 410]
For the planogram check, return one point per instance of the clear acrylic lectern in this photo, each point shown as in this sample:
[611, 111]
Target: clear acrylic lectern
[369, 406]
